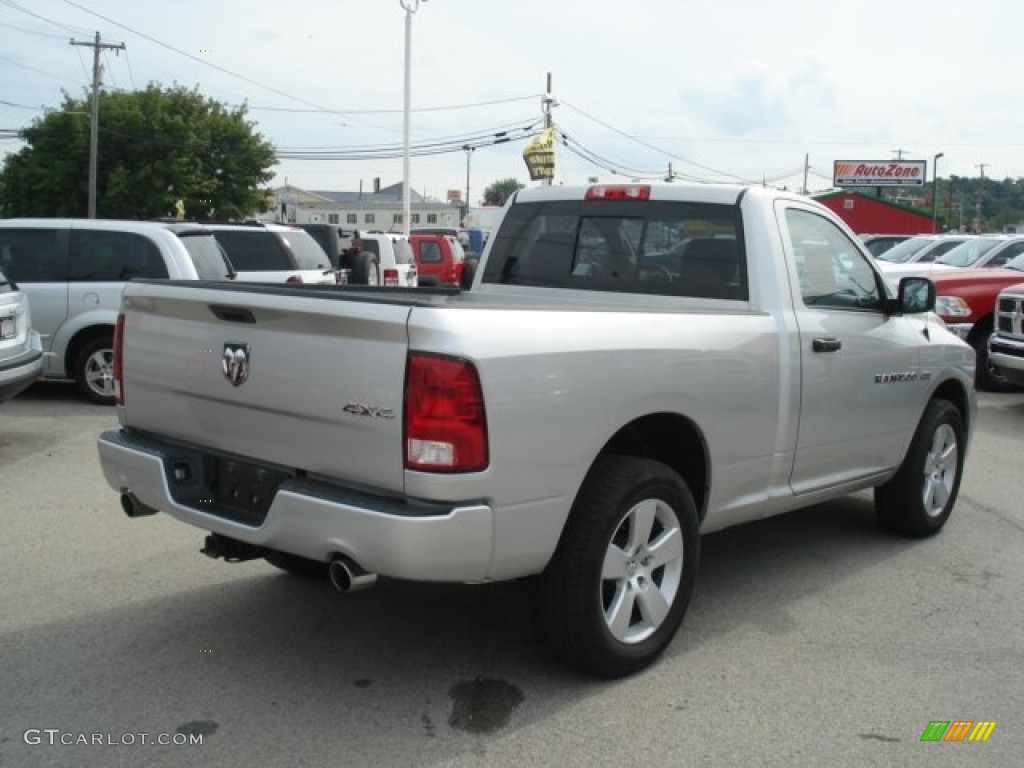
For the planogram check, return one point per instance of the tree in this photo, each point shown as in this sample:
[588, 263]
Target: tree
[501, 191]
[156, 146]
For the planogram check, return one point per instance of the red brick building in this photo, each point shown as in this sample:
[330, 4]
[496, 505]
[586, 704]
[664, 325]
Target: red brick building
[866, 214]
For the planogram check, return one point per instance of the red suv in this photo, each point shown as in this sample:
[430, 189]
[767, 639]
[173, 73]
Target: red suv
[438, 256]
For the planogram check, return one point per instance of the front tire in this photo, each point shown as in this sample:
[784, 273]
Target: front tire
[94, 370]
[919, 498]
[615, 592]
[987, 377]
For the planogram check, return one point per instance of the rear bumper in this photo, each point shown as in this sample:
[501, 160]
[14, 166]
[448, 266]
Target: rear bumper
[401, 538]
[17, 373]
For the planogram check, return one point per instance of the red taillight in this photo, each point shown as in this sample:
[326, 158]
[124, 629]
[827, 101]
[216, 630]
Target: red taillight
[294, 279]
[119, 360]
[445, 422]
[390, 277]
[619, 192]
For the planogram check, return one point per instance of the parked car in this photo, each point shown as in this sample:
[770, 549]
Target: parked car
[878, 244]
[917, 256]
[1006, 343]
[924, 248]
[337, 241]
[384, 259]
[73, 272]
[984, 251]
[21, 351]
[967, 304]
[439, 258]
[274, 253]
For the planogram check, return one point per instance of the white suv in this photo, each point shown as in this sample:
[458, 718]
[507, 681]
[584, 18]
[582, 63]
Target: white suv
[274, 253]
[73, 272]
[21, 353]
[384, 259]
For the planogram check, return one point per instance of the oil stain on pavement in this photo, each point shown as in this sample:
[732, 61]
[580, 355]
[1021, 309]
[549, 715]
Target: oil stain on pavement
[483, 705]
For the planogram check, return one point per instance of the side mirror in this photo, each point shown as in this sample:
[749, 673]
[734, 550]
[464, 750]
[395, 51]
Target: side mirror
[915, 295]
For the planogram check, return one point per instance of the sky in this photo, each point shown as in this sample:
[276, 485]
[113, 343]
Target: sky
[728, 90]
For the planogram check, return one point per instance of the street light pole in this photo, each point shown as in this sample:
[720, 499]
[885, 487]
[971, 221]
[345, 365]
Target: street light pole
[935, 191]
[410, 7]
[469, 154]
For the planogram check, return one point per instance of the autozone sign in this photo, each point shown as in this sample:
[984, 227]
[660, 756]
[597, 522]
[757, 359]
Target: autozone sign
[878, 173]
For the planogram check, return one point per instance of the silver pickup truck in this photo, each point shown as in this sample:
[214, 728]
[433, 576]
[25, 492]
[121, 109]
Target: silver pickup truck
[633, 366]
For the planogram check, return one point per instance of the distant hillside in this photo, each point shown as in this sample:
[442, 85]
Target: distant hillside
[1001, 203]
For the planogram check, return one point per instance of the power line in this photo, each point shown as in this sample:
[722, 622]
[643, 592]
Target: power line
[652, 147]
[196, 58]
[31, 31]
[39, 71]
[395, 111]
[73, 30]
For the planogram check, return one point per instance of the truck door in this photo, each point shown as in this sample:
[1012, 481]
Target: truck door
[861, 391]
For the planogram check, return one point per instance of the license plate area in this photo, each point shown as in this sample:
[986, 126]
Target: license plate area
[8, 328]
[228, 488]
[244, 490]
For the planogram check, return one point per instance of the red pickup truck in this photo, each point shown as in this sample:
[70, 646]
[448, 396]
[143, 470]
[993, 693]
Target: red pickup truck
[441, 258]
[966, 302]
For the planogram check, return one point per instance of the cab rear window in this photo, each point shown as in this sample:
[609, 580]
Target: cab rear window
[666, 248]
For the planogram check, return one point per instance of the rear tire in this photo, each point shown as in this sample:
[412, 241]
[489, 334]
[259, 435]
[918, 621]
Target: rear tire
[297, 566]
[468, 273]
[93, 370]
[615, 592]
[365, 270]
[919, 498]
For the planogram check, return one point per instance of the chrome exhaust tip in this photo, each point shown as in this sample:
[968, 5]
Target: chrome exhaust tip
[348, 576]
[133, 507]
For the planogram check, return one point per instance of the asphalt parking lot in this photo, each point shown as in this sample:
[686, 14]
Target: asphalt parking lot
[813, 639]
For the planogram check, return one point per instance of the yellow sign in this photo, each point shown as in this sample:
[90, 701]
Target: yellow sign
[539, 155]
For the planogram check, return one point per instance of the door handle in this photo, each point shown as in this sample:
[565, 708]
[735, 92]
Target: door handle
[826, 344]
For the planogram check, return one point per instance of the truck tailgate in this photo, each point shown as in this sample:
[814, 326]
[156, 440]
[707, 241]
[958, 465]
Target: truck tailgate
[307, 382]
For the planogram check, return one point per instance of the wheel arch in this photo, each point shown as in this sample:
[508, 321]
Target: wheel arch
[80, 339]
[982, 326]
[955, 392]
[673, 440]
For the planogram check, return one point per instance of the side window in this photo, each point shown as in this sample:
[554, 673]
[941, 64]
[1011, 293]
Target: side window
[254, 251]
[832, 270]
[403, 252]
[109, 256]
[32, 256]
[1006, 254]
[430, 252]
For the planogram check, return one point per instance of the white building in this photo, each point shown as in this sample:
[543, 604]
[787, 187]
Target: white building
[380, 210]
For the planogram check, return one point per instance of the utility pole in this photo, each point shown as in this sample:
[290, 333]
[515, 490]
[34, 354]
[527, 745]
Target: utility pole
[807, 168]
[94, 122]
[899, 153]
[981, 193]
[546, 103]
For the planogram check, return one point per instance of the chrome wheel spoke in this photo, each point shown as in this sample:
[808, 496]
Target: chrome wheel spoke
[641, 524]
[615, 561]
[620, 611]
[654, 605]
[666, 548]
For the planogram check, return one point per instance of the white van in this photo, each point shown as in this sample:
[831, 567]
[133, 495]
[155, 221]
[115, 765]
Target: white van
[73, 272]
